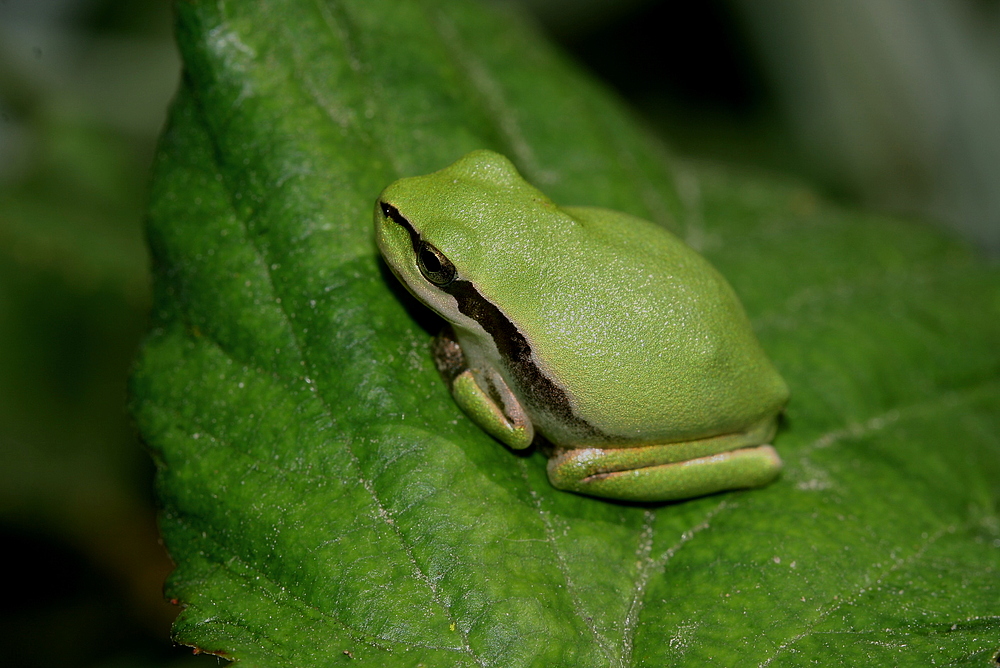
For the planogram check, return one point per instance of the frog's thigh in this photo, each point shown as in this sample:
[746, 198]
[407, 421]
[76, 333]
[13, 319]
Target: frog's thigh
[501, 415]
[630, 474]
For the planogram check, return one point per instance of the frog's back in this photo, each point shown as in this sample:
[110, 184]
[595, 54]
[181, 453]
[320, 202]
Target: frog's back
[647, 339]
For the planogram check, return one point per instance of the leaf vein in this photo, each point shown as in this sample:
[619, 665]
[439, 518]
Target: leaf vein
[367, 639]
[649, 566]
[849, 600]
[941, 401]
[571, 586]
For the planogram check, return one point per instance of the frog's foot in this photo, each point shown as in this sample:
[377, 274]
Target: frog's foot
[484, 397]
[496, 410]
[665, 472]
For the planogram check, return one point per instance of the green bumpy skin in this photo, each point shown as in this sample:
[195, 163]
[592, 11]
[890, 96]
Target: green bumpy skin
[602, 333]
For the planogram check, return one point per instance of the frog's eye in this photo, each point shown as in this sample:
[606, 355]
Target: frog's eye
[435, 267]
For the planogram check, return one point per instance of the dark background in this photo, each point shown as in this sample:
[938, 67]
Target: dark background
[890, 104]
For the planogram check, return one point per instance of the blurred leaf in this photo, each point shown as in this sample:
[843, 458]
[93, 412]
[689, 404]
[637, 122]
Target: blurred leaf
[327, 502]
[76, 510]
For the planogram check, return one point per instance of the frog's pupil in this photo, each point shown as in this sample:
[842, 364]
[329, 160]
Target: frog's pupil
[430, 261]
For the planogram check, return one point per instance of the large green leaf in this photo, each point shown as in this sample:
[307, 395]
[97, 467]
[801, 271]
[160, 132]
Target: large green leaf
[326, 501]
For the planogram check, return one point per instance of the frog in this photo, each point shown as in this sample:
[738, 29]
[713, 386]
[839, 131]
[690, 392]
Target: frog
[596, 334]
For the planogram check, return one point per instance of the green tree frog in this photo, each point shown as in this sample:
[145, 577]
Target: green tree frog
[602, 333]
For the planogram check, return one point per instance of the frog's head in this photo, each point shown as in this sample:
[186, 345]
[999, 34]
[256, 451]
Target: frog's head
[458, 224]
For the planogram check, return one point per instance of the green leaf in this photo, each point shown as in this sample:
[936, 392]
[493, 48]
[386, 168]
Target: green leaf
[325, 500]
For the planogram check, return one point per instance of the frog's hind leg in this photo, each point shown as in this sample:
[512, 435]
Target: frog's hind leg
[671, 471]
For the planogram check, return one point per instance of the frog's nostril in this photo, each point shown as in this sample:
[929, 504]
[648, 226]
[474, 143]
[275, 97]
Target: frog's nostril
[393, 214]
[388, 210]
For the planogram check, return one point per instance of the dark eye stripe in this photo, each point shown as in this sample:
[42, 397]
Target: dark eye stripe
[541, 391]
[393, 214]
[439, 275]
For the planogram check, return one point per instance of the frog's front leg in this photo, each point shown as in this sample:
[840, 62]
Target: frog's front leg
[671, 471]
[483, 395]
